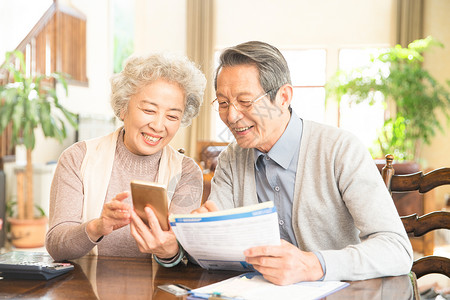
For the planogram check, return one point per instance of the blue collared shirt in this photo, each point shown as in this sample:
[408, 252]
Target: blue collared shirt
[275, 175]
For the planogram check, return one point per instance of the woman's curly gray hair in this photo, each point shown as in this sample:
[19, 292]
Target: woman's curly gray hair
[140, 71]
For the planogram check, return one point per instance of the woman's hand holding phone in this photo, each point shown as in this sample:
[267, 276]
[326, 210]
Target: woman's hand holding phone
[152, 238]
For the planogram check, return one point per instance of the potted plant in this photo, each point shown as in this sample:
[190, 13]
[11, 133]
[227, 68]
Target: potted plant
[29, 103]
[410, 94]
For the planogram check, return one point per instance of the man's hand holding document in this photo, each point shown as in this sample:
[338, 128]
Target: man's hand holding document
[217, 240]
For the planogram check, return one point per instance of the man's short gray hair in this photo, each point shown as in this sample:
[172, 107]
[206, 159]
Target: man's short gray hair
[272, 66]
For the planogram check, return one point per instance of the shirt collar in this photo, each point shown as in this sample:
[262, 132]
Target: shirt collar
[286, 147]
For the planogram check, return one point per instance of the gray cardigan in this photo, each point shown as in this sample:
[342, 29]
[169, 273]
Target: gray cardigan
[341, 206]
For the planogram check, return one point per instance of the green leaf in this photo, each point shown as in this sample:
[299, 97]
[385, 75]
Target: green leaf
[71, 117]
[61, 78]
[57, 133]
[28, 136]
[44, 117]
[40, 210]
[6, 110]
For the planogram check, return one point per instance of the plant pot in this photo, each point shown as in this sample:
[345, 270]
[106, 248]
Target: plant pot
[28, 233]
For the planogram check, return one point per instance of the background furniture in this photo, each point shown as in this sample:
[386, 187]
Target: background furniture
[2, 209]
[412, 202]
[420, 225]
[206, 157]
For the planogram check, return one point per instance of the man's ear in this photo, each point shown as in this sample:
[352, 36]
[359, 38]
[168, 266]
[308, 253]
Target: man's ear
[285, 94]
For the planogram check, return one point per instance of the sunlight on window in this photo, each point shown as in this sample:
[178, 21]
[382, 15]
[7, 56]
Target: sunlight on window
[309, 103]
[308, 75]
[307, 66]
[123, 32]
[362, 119]
[18, 19]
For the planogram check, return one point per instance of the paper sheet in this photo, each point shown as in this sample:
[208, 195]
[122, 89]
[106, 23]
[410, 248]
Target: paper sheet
[255, 287]
[217, 240]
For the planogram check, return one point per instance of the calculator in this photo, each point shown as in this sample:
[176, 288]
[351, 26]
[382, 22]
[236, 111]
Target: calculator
[31, 265]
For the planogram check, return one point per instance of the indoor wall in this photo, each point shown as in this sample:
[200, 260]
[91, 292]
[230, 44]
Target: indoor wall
[437, 24]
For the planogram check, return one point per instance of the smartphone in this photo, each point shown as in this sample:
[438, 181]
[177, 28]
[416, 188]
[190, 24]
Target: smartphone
[154, 195]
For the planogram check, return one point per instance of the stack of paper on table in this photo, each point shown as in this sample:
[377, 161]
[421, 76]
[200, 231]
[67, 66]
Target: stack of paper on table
[217, 240]
[253, 286]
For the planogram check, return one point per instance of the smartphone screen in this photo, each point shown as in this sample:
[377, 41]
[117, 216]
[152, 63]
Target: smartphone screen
[154, 195]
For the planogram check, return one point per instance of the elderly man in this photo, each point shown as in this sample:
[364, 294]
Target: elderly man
[337, 220]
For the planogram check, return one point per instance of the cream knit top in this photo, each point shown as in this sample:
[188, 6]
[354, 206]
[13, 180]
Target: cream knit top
[67, 237]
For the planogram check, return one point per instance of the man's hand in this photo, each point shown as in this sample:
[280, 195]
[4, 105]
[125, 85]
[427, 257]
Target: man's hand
[152, 239]
[284, 264]
[208, 206]
[115, 215]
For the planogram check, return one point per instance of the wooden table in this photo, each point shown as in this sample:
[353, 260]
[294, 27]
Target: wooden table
[131, 278]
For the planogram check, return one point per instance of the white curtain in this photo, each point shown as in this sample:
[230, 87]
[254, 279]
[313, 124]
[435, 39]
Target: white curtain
[409, 21]
[200, 49]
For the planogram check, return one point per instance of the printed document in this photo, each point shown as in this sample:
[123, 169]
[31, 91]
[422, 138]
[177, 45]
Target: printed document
[253, 286]
[217, 240]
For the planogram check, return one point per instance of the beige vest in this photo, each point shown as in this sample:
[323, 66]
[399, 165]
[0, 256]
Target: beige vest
[96, 170]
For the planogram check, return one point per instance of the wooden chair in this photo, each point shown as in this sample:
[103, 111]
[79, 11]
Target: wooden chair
[413, 202]
[420, 225]
[206, 157]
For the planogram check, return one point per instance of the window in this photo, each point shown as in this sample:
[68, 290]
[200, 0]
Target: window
[308, 75]
[362, 119]
[123, 32]
[18, 19]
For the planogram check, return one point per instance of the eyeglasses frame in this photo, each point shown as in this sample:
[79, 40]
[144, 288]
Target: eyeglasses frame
[233, 103]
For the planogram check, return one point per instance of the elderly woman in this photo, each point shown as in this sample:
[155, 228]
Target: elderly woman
[90, 208]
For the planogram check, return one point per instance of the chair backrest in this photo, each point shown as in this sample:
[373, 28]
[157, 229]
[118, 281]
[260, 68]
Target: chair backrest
[420, 225]
[207, 153]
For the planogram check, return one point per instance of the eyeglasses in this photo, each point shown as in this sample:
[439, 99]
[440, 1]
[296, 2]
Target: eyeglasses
[240, 105]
